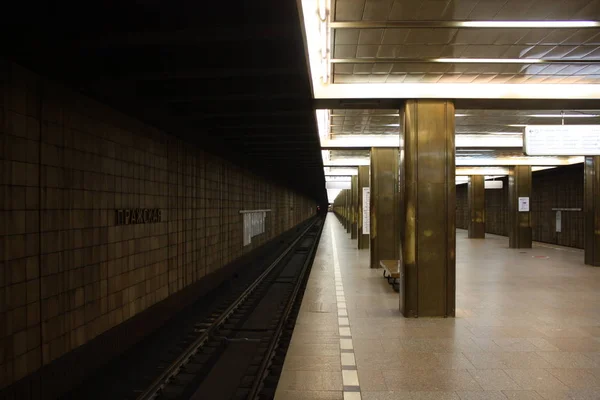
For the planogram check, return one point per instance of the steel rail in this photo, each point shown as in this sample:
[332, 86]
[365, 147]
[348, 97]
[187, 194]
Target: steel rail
[263, 368]
[165, 377]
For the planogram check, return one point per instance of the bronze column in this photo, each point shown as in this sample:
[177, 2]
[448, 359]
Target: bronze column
[354, 220]
[348, 210]
[343, 207]
[591, 207]
[476, 190]
[519, 197]
[363, 182]
[345, 194]
[427, 278]
[384, 205]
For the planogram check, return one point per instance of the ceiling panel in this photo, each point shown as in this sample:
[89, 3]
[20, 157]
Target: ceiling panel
[382, 44]
[468, 36]
[424, 10]
[371, 121]
[363, 73]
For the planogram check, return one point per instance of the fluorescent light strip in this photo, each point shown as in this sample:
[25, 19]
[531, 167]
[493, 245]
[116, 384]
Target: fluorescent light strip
[491, 60]
[524, 61]
[563, 116]
[489, 133]
[458, 24]
[478, 151]
[529, 24]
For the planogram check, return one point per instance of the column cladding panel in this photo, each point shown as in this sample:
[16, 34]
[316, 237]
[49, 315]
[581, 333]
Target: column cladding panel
[384, 206]
[428, 282]
[462, 206]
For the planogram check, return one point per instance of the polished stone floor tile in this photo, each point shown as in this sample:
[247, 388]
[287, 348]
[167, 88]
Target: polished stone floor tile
[576, 344]
[389, 395]
[555, 394]
[522, 395]
[569, 360]
[542, 344]
[314, 349]
[494, 379]
[523, 360]
[430, 380]
[438, 395]
[527, 328]
[371, 380]
[534, 379]
[313, 363]
[486, 395]
[309, 395]
[310, 381]
[584, 394]
[576, 378]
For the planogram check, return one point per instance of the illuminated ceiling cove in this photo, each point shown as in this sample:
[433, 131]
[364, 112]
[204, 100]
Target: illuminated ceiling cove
[451, 49]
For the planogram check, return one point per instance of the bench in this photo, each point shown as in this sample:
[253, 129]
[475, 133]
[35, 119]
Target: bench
[391, 272]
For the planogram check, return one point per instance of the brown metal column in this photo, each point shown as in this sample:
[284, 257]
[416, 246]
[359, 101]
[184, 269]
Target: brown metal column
[343, 204]
[384, 205]
[476, 207]
[348, 210]
[519, 186]
[363, 182]
[591, 207]
[354, 203]
[427, 279]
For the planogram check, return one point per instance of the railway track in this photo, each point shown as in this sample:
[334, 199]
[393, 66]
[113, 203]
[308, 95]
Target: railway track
[233, 349]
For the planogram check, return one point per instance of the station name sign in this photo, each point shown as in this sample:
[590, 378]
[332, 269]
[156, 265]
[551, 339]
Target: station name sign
[130, 216]
[562, 140]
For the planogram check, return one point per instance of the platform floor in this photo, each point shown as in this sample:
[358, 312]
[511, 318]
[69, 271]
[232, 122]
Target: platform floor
[527, 327]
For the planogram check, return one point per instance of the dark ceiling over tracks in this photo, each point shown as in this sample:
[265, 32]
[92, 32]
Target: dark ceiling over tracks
[231, 76]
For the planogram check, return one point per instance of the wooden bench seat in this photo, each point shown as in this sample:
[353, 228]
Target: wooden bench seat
[391, 272]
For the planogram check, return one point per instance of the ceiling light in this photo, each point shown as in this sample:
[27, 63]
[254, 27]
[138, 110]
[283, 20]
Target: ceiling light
[471, 150]
[462, 115]
[535, 169]
[563, 115]
[530, 24]
[489, 133]
[489, 60]
[323, 10]
[517, 125]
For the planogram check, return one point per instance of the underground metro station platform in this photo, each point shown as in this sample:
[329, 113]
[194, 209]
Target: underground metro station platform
[310, 199]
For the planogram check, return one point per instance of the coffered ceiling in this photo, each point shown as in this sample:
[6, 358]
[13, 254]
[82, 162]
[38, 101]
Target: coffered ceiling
[416, 41]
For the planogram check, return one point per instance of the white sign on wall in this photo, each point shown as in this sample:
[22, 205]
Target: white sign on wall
[523, 204]
[366, 210]
[493, 184]
[338, 185]
[562, 140]
[558, 221]
[254, 224]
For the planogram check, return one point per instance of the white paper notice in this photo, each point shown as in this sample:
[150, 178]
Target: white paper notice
[366, 211]
[558, 221]
[523, 204]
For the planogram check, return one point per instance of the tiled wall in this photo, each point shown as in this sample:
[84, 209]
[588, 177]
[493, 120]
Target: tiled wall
[67, 272]
[554, 188]
[558, 188]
